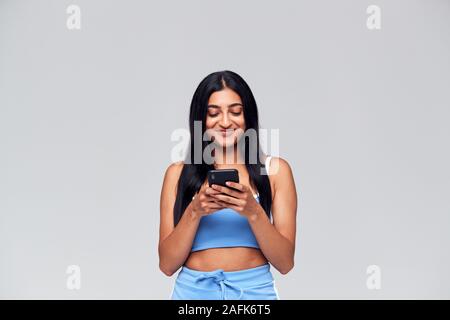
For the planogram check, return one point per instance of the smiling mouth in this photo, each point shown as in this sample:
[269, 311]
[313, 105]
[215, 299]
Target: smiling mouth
[226, 133]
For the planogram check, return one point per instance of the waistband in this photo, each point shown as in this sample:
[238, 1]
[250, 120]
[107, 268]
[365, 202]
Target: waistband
[238, 280]
[245, 277]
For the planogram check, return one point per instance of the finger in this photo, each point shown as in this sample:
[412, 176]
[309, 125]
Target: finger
[215, 206]
[222, 203]
[228, 191]
[235, 208]
[235, 185]
[204, 186]
[210, 191]
[211, 198]
[228, 199]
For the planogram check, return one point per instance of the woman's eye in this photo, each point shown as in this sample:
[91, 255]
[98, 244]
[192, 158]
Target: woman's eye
[213, 115]
[236, 113]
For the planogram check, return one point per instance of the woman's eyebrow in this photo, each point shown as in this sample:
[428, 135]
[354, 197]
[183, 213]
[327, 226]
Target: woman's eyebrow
[229, 106]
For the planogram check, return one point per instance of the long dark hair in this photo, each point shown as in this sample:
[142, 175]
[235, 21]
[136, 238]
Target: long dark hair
[194, 175]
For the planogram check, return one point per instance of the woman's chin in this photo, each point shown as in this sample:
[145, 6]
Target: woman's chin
[225, 142]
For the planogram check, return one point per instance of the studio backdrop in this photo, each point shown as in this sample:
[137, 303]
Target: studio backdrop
[91, 92]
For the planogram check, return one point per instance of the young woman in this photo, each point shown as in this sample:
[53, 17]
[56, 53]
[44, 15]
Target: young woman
[224, 237]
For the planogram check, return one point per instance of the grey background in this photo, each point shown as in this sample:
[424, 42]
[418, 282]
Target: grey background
[86, 118]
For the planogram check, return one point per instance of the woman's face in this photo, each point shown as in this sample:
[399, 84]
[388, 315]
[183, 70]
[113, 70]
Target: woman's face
[225, 115]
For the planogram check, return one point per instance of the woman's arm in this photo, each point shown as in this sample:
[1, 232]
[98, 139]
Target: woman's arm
[174, 243]
[277, 240]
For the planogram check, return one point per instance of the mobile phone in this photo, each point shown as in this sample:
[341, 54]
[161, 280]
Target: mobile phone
[220, 176]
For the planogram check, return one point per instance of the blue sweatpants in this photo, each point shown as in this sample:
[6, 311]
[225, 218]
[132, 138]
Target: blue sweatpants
[248, 284]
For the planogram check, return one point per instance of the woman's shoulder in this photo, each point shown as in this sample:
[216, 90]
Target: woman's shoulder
[175, 168]
[279, 170]
[277, 166]
[173, 171]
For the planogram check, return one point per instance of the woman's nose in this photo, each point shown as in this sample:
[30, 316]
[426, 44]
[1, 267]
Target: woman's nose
[225, 121]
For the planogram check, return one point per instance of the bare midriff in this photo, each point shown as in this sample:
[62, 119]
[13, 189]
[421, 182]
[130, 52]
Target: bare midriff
[227, 259]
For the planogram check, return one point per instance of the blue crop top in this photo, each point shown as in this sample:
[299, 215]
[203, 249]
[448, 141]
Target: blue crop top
[225, 228]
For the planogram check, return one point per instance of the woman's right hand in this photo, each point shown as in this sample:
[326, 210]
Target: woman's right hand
[203, 203]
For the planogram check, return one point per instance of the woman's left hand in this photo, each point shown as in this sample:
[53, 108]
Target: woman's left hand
[240, 200]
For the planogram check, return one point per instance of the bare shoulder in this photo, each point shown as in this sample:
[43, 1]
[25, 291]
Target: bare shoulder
[279, 167]
[174, 169]
[280, 172]
[172, 175]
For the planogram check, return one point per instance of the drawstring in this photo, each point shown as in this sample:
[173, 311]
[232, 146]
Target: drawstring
[219, 278]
